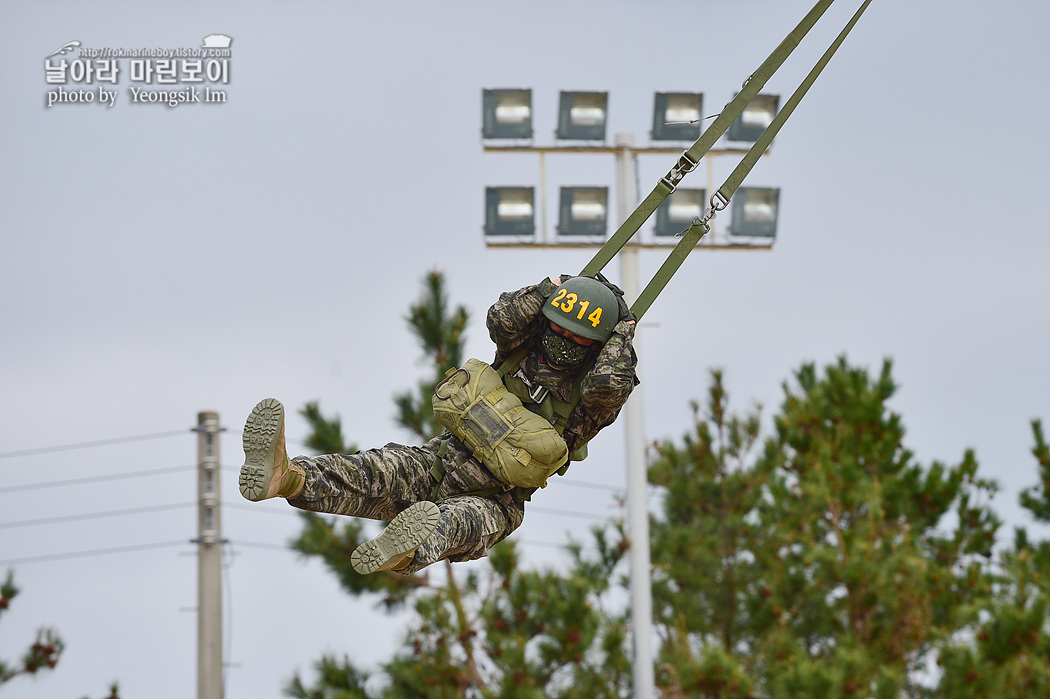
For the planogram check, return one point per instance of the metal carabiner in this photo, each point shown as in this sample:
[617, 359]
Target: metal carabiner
[448, 378]
[681, 168]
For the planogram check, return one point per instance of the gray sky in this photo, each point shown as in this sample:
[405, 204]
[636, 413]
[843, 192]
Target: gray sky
[156, 262]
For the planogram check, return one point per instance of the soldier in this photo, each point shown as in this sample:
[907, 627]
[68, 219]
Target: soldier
[569, 345]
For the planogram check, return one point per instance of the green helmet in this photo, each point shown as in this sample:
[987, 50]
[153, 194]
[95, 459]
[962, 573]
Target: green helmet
[584, 306]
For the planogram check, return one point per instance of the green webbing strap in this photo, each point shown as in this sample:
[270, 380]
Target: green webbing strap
[728, 189]
[562, 409]
[663, 275]
[688, 161]
[512, 361]
[438, 471]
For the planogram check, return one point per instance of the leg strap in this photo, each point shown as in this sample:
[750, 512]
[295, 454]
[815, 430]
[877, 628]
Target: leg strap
[438, 470]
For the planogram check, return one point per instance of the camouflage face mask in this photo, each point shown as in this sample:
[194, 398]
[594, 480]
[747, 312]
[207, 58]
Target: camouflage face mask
[561, 352]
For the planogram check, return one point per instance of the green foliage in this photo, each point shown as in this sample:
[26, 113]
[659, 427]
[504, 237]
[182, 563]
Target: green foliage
[1005, 649]
[814, 566]
[326, 434]
[510, 633]
[337, 679]
[1037, 498]
[42, 654]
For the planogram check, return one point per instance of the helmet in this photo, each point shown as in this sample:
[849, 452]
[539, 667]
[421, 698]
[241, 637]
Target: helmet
[584, 306]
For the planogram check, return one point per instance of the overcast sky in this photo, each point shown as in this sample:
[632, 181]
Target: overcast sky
[156, 262]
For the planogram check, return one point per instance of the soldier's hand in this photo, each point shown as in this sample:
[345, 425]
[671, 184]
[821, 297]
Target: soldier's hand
[625, 311]
[561, 279]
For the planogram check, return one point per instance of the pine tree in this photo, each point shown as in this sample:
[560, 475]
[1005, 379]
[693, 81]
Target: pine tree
[42, 654]
[818, 565]
[1005, 651]
[510, 633]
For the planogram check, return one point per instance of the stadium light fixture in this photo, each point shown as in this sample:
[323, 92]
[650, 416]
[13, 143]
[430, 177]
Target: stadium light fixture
[754, 119]
[583, 212]
[677, 116]
[754, 211]
[506, 113]
[582, 116]
[510, 214]
[677, 211]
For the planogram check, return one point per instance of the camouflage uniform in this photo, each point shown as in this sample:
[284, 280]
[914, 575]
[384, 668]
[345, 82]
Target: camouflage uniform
[379, 483]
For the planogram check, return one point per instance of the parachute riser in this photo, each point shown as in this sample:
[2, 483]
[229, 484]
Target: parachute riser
[689, 159]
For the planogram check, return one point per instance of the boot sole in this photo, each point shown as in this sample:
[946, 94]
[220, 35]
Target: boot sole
[410, 528]
[261, 432]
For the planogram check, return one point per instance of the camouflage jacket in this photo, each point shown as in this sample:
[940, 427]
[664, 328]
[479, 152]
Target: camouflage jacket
[515, 320]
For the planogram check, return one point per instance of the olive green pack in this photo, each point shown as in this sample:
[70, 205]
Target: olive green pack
[518, 446]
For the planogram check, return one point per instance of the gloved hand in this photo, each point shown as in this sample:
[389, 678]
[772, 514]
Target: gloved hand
[562, 279]
[625, 311]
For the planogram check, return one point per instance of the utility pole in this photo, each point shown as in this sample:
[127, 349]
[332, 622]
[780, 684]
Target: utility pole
[209, 559]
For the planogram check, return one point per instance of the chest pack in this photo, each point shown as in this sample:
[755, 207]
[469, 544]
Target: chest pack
[518, 445]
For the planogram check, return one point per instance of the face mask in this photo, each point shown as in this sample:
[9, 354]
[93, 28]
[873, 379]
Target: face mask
[561, 352]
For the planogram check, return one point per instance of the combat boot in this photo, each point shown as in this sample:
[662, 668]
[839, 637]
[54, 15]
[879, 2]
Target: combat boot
[395, 547]
[267, 472]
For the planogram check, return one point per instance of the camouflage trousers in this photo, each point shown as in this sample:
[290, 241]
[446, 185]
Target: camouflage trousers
[379, 483]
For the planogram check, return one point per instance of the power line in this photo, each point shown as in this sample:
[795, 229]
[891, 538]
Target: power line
[229, 469]
[85, 445]
[267, 510]
[544, 544]
[532, 508]
[94, 479]
[281, 547]
[567, 513]
[234, 543]
[95, 552]
[95, 515]
[160, 435]
[593, 486]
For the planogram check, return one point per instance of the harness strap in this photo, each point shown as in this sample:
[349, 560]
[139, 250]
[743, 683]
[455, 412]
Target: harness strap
[721, 198]
[562, 409]
[438, 470]
[512, 362]
[689, 160]
[728, 189]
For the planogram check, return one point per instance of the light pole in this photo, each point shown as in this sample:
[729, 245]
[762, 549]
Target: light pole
[634, 444]
[510, 220]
